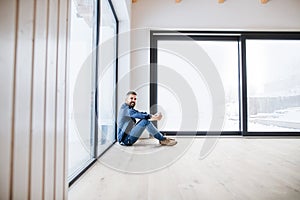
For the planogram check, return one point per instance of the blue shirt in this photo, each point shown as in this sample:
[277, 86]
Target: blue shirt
[126, 120]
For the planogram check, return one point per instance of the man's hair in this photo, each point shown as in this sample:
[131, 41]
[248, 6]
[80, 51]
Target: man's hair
[131, 92]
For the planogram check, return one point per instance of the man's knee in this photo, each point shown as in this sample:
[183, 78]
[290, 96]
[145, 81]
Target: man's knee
[143, 122]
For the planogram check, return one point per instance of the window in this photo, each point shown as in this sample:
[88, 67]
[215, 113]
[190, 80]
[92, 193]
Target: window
[81, 67]
[92, 83]
[273, 71]
[176, 76]
[258, 72]
[107, 77]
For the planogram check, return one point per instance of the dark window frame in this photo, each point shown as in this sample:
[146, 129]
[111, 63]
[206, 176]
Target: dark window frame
[156, 35]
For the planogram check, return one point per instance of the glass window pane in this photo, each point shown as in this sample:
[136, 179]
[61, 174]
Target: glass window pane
[106, 77]
[224, 57]
[273, 71]
[80, 85]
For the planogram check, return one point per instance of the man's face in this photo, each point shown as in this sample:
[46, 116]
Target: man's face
[131, 100]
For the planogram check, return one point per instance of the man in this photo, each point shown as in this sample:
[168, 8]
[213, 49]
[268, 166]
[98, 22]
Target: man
[129, 130]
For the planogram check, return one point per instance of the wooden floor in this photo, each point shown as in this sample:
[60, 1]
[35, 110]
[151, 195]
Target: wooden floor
[232, 168]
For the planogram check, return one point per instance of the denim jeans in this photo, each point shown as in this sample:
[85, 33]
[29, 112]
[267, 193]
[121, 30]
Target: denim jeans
[138, 129]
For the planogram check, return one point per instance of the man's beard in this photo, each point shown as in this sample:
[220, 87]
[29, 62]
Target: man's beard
[132, 104]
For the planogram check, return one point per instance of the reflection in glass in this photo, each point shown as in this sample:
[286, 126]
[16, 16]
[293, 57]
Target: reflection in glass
[224, 56]
[273, 71]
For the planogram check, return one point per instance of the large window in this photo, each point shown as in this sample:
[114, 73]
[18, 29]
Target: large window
[92, 82]
[257, 71]
[273, 71]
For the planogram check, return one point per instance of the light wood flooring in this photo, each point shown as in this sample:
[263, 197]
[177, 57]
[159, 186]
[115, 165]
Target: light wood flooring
[196, 168]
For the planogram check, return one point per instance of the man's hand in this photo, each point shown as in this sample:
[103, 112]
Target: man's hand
[156, 117]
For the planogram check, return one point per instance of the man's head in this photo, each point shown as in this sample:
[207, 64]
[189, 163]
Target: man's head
[131, 98]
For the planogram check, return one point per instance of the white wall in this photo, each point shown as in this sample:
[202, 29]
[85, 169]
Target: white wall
[209, 14]
[203, 15]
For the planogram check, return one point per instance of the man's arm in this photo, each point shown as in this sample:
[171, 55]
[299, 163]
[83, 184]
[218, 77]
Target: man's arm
[143, 115]
[140, 115]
